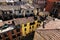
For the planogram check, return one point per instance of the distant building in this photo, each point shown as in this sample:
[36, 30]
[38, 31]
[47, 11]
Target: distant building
[9, 0]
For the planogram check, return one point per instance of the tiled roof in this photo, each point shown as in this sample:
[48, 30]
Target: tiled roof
[50, 32]
[52, 25]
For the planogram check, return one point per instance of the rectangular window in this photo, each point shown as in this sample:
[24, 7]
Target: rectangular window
[0, 37]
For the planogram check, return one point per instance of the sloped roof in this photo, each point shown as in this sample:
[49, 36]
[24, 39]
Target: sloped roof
[52, 25]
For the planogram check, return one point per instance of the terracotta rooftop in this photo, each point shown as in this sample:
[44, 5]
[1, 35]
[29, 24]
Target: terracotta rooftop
[52, 25]
[50, 32]
[47, 34]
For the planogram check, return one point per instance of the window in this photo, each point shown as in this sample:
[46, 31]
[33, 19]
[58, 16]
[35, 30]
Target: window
[12, 32]
[0, 37]
[18, 30]
[19, 0]
[9, 4]
[32, 23]
[14, 36]
[30, 27]
[27, 11]
[39, 21]
[18, 34]
[19, 11]
[25, 25]
[25, 29]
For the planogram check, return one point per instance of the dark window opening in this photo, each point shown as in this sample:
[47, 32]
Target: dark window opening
[39, 21]
[0, 37]
[8, 22]
[32, 10]
[12, 32]
[37, 25]
[10, 11]
[32, 23]
[13, 22]
[19, 11]
[30, 27]
[19, 0]
[9, 4]
[27, 11]
[18, 34]
[25, 29]
[14, 36]
[18, 30]
[25, 25]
